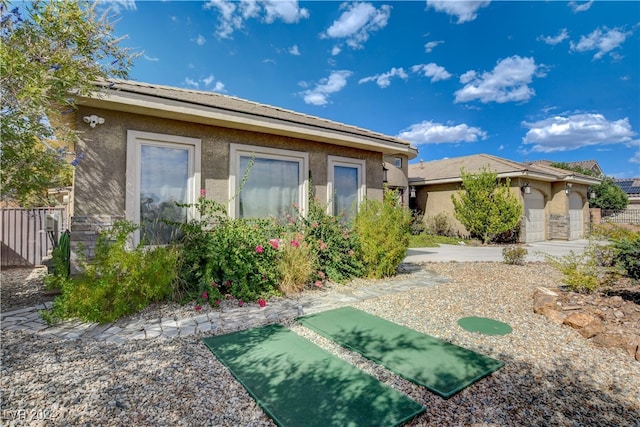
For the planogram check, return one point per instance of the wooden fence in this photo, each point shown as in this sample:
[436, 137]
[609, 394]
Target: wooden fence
[25, 241]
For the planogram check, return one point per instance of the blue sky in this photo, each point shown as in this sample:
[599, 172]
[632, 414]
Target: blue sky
[521, 80]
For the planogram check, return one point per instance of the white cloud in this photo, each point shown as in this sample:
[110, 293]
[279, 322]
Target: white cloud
[357, 22]
[508, 82]
[233, 14]
[565, 133]
[554, 40]
[293, 50]
[578, 7]
[151, 58]
[428, 48]
[200, 40]
[635, 158]
[465, 10]
[384, 80]
[428, 132]
[603, 40]
[433, 71]
[206, 82]
[319, 95]
[117, 6]
[336, 50]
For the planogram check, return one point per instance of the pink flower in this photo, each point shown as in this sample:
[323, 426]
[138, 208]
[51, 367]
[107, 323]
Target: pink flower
[315, 224]
[318, 283]
[205, 295]
[203, 192]
[198, 307]
[227, 283]
[274, 243]
[240, 303]
[351, 252]
[259, 249]
[295, 243]
[218, 302]
[322, 245]
[322, 275]
[262, 303]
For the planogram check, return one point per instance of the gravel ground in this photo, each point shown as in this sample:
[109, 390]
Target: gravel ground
[552, 376]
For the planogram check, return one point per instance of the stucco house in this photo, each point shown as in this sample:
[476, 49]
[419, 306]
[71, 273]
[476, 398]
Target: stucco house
[555, 201]
[147, 146]
[631, 187]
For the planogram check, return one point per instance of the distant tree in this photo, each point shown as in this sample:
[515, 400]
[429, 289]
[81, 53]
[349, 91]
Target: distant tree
[50, 52]
[609, 196]
[485, 206]
[577, 169]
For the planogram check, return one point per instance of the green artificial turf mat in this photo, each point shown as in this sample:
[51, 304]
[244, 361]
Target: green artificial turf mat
[300, 384]
[484, 326]
[441, 367]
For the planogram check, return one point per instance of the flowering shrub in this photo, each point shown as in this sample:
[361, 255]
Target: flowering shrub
[226, 256]
[332, 243]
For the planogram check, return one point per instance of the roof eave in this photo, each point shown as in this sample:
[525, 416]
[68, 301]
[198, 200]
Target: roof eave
[180, 110]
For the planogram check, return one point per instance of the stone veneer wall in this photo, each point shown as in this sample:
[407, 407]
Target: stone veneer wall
[84, 235]
[558, 227]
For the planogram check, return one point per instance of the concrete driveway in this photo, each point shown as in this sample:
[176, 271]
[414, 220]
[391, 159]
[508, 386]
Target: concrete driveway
[460, 253]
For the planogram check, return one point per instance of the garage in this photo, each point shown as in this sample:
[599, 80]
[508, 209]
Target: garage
[576, 220]
[534, 217]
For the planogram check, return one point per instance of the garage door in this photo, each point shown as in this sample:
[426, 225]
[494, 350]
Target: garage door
[534, 216]
[576, 223]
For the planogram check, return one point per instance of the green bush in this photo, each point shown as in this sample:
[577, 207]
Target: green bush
[418, 225]
[440, 225]
[332, 243]
[627, 255]
[296, 264]
[227, 257]
[514, 255]
[383, 231]
[118, 281]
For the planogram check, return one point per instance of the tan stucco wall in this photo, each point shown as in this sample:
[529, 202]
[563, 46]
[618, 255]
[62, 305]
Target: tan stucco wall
[101, 176]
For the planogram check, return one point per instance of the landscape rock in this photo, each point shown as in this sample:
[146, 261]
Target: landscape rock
[545, 300]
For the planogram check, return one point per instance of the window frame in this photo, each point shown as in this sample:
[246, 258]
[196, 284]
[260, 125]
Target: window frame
[238, 150]
[359, 164]
[397, 160]
[135, 141]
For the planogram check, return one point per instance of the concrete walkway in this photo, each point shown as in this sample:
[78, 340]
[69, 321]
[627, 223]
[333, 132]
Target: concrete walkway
[536, 252]
[229, 319]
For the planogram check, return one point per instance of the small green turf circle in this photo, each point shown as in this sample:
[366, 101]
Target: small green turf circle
[484, 325]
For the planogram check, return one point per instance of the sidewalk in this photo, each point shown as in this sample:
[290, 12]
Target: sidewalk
[461, 253]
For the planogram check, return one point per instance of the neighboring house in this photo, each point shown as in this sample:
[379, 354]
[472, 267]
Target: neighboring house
[631, 186]
[555, 201]
[590, 165]
[147, 146]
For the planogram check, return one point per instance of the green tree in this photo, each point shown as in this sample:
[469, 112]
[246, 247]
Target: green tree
[485, 206]
[609, 196]
[577, 169]
[50, 52]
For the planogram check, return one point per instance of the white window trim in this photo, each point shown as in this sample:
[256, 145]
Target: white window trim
[135, 140]
[346, 162]
[397, 160]
[238, 150]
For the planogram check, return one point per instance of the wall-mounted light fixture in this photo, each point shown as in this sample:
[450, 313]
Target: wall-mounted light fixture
[412, 192]
[526, 188]
[592, 193]
[93, 120]
[384, 174]
[568, 188]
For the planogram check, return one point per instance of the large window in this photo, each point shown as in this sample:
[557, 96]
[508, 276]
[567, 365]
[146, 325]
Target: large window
[275, 184]
[162, 172]
[346, 185]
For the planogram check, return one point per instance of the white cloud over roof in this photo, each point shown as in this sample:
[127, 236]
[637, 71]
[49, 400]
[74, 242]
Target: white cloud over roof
[603, 40]
[465, 10]
[319, 95]
[428, 132]
[384, 80]
[233, 14]
[357, 23]
[507, 82]
[565, 133]
[433, 71]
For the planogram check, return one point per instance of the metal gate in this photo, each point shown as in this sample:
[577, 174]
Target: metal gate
[24, 237]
